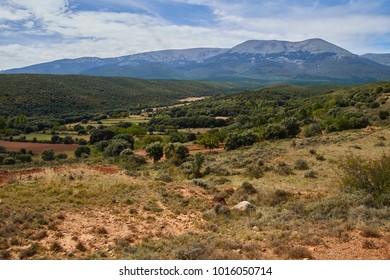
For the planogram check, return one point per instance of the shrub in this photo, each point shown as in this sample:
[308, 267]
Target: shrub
[311, 174]
[279, 197]
[115, 147]
[176, 152]
[248, 188]
[9, 161]
[126, 137]
[301, 164]
[30, 251]
[68, 140]
[48, 155]
[255, 171]
[82, 151]
[56, 247]
[370, 176]
[81, 247]
[24, 157]
[201, 183]
[312, 129]
[208, 140]
[283, 169]
[234, 141]
[102, 145]
[383, 115]
[275, 131]
[61, 156]
[292, 126]
[197, 165]
[82, 142]
[177, 137]
[98, 135]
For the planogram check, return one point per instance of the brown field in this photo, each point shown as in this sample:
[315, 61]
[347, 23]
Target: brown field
[37, 148]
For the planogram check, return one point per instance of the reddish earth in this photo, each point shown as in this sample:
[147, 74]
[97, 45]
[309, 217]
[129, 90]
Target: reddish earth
[37, 148]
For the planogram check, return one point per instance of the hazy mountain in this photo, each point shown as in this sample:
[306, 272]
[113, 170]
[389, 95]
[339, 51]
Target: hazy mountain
[259, 60]
[383, 58]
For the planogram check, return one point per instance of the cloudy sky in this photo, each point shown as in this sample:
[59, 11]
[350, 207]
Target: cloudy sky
[44, 30]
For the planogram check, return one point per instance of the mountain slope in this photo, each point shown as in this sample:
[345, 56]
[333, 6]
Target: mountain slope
[68, 95]
[259, 60]
[379, 58]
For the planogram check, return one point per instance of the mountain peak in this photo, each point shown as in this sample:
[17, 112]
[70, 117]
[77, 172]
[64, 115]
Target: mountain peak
[314, 46]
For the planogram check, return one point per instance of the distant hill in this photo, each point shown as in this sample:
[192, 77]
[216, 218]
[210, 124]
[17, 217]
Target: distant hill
[68, 95]
[379, 58]
[257, 60]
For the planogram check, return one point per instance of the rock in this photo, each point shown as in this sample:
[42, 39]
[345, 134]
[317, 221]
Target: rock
[244, 206]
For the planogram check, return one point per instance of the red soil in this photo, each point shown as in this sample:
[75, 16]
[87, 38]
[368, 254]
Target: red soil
[37, 148]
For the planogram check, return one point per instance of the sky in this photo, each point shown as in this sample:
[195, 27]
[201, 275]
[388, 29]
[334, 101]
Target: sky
[33, 32]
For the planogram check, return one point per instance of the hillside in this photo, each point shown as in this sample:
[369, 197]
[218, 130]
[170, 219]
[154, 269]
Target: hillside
[293, 172]
[54, 95]
[313, 60]
[271, 110]
[379, 58]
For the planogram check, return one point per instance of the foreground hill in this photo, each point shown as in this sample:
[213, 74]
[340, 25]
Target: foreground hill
[259, 60]
[42, 95]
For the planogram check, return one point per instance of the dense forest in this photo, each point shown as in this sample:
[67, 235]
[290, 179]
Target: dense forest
[65, 96]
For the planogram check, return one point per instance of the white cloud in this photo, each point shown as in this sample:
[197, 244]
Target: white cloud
[63, 31]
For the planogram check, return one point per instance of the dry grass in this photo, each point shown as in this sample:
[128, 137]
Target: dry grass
[80, 212]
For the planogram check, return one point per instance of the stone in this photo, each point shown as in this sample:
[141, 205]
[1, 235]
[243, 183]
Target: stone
[244, 206]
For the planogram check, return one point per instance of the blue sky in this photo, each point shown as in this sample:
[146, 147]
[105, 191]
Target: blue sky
[38, 31]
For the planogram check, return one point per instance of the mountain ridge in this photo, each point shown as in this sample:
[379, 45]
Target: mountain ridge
[261, 60]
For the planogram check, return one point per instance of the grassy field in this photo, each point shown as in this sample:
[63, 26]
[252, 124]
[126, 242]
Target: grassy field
[158, 211]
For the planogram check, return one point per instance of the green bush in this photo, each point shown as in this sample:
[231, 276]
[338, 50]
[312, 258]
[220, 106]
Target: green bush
[82, 151]
[115, 147]
[126, 137]
[61, 156]
[24, 157]
[9, 161]
[234, 141]
[275, 131]
[176, 152]
[312, 129]
[370, 176]
[48, 155]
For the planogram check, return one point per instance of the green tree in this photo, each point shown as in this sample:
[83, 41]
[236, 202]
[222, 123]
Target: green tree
[48, 155]
[209, 140]
[292, 126]
[98, 135]
[115, 147]
[176, 152]
[275, 131]
[126, 137]
[155, 151]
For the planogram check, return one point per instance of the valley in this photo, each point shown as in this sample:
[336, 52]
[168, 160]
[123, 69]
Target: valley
[160, 181]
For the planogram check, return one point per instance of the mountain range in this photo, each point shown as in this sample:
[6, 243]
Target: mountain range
[254, 60]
